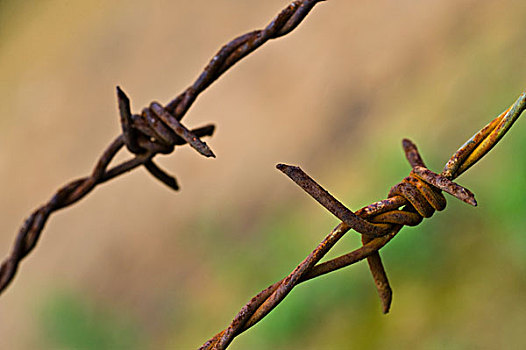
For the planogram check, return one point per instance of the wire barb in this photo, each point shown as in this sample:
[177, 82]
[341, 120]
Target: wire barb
[156, 130]
[414, 198]
[329, 202]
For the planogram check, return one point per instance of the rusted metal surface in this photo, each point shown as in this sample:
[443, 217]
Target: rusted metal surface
[483, 141]
[157, 130]
[414, 198]
[329, 202]
[444, 184]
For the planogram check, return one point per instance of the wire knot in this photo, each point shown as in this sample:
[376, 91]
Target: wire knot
[157, 130]
[416, 197]
[422, 192]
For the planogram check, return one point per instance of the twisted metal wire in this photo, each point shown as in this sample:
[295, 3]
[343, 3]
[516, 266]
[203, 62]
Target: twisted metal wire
[156, 130]
[416, 197]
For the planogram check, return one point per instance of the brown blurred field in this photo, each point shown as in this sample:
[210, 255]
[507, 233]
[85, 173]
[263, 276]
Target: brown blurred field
[137, 266]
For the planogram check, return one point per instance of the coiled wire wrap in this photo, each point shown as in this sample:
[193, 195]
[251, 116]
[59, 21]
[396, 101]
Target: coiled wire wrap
[418, 196]
[414, 198]
[155, 130]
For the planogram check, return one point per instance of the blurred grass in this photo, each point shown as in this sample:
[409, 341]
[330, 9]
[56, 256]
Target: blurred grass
[70, 321]
[458, 278]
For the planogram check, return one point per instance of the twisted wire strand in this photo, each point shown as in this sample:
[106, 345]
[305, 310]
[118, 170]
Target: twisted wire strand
[416, 197]
[156, 130]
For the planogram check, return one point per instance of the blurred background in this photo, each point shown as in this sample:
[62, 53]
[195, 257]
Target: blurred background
[137, 266]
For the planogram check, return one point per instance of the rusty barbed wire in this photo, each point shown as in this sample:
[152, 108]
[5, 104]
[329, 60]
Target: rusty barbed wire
[416, 197]
[157, 130]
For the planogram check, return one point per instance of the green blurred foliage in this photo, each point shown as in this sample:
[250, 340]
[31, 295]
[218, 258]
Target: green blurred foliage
[71, 321]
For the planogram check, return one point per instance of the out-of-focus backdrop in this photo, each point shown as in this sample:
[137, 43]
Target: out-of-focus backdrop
[135, 265]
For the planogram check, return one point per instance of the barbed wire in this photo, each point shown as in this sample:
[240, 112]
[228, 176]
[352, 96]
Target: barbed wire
[416, 197]
[156, 130]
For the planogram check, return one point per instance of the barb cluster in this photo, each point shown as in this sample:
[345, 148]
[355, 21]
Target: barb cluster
[157, 130]
[414, 198]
